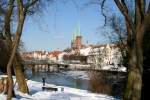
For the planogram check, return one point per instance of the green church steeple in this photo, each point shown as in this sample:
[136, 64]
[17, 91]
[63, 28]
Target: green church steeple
[73, 37]
[78, 30]
[76, 33]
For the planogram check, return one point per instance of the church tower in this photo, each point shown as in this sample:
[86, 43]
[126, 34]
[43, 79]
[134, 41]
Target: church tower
[76, 42]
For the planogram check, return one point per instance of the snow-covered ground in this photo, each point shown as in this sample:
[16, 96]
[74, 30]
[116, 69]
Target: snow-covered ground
[36, 93]
[77, 74]
[113, 68]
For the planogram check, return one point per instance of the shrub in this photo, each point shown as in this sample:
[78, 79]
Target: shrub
[98, 84]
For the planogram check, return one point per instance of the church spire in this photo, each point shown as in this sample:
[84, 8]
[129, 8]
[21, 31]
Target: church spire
[78, 32]
[73, 37]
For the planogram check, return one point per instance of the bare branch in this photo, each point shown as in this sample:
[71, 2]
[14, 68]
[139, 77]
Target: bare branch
[29, 4]
[102, 11]
[141, 4]
[7, 31]
[124, 5]
[124, 11]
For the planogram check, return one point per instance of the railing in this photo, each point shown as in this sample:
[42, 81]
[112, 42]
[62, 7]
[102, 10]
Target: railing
[36, 62]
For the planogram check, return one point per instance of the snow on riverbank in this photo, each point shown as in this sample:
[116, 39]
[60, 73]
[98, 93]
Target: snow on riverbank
[36, 93]
[77, 74]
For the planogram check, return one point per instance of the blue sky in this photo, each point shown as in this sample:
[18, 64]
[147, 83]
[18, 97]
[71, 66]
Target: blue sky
[53, 28]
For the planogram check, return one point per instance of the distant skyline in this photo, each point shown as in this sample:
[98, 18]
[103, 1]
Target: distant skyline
[53, 28]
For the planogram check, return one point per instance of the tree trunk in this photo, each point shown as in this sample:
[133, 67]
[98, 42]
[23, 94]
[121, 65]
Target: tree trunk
[133, 90]
[10, 81]
[20, 78]
[135, 71]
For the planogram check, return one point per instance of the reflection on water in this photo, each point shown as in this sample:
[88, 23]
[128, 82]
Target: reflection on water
[61, 79]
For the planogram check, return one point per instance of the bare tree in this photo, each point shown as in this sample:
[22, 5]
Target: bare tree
[136, 26]
[20, 9]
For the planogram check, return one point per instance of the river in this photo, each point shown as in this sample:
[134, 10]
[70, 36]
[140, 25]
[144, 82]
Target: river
[73, 79]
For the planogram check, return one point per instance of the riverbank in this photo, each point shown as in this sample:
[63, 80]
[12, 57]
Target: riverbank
[36, 93]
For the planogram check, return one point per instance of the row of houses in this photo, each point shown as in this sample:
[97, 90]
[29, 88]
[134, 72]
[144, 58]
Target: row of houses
[40, 55]
[95, 54]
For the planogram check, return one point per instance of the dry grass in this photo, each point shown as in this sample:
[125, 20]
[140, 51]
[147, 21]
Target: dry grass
[98, 83]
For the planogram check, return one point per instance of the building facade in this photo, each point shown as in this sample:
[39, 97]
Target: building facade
[106, 57]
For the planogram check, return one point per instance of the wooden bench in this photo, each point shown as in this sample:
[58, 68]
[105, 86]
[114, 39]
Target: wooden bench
[49, 88]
